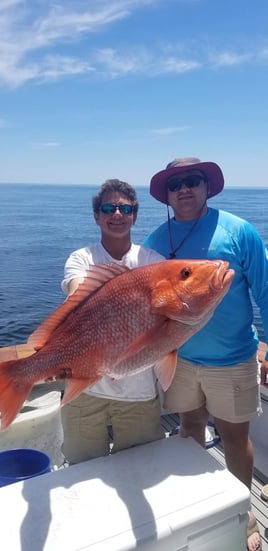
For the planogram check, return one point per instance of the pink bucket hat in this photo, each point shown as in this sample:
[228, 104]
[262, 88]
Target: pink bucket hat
[213, 173]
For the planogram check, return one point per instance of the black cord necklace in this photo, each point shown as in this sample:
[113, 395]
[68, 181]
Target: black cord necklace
[173, 251]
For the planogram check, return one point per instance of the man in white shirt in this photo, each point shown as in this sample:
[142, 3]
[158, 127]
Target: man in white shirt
[131, 405]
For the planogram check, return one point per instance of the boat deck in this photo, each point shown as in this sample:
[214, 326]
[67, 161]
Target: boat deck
[170, 422]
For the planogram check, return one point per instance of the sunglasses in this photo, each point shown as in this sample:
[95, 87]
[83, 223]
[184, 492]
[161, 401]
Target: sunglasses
[109, 208]
[175, 183]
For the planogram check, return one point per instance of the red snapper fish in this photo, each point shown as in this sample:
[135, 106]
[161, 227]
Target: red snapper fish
[118, 322]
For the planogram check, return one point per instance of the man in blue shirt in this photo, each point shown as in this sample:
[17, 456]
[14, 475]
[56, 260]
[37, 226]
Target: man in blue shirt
[218, 373]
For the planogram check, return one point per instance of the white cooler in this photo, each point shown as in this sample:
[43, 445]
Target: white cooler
[167, 495]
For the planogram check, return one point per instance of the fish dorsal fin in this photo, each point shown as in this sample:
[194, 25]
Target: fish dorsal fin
[96, 277]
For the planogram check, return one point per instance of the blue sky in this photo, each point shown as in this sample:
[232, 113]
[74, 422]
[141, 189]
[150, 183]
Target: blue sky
[97, 89]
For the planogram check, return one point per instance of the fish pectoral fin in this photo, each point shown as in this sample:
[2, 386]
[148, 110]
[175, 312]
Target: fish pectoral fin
[141, 343]
[12, 394]
[74, 387]
[165, 369]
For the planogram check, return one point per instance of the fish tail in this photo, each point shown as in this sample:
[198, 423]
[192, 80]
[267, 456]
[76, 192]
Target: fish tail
[13, 393]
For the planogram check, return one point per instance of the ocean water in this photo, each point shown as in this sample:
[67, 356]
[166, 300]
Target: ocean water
[41, 224]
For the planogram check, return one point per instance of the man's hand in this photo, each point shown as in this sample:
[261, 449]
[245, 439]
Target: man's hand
[264, 363]
[264, 373]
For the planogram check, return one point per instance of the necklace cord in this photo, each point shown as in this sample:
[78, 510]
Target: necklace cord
[173, 251]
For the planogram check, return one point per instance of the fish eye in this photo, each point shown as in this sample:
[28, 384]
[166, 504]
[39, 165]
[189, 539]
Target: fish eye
[186, 272]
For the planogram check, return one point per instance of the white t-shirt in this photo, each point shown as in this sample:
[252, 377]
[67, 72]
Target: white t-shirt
[137, 387]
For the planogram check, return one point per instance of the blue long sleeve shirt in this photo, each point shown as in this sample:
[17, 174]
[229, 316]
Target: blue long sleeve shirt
[229, 337]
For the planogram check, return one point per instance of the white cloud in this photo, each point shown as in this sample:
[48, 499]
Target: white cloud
[264, 54]
[169, 131]
[140, 61]
[47, 26]
[45, 145]
[33, 36]
[177, 65]
[229, 58]
[7, 4]
[58, 66]
[113, 63]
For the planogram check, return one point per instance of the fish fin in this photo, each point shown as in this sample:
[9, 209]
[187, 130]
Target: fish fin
[96, 277]
[165, 369]
[74, 387]
[139, 344]
[42, 334]
[12, 394]
[105, 272]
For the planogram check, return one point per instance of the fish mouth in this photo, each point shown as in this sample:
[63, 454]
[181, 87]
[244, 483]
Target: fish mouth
[223, 276]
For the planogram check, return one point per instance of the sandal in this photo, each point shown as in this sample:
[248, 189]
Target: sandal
[264, 492]
[253, 535]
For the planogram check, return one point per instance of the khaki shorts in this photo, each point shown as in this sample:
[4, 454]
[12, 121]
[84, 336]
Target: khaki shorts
[229, 393]
[85, 421]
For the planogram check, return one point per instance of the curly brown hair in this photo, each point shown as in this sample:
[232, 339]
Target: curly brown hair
[115, 185]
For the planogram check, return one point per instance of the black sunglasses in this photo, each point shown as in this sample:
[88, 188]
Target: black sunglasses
[176, 182]
[109, 208]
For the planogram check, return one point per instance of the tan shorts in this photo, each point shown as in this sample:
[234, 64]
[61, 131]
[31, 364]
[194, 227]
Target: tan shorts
[229, 393]
[85, 423]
